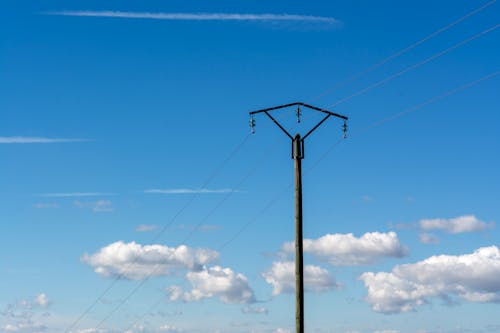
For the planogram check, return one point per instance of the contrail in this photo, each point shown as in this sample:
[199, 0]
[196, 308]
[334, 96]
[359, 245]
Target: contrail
[197, 16]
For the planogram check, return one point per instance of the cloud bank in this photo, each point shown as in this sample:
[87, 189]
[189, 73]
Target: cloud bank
[348, 250]
[471, 277]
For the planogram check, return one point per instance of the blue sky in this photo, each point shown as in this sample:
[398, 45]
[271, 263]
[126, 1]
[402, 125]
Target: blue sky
[134, 198]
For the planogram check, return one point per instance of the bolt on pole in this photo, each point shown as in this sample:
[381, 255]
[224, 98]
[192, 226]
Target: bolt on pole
[297, 156]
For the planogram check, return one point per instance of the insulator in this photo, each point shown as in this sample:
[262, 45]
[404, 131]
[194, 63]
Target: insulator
[299, 113]
[252, 125]
[344, 128]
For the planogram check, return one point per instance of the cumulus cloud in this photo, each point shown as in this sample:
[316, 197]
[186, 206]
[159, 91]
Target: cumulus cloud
[348, 250]
[457, 225]
[21, 316]
[135, 262]
[41, 300]
[281, 276]
[223, 283]
[471, 277]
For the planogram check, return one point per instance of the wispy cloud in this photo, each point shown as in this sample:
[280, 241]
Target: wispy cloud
[36, 139]
[74, 194]
[198, 16]
[188, 191]
[96, 206]
[146, 227]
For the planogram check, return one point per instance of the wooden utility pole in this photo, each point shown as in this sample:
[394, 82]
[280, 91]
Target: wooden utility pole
[299, 259]
[298, 155]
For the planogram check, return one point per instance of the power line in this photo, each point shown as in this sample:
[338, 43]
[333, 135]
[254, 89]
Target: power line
[407, 111]
[243, 180]
[157, 266]
[161, 232]
[403, 51]
[315, 164]
[414, 66]
[238, 147]
[356, 133]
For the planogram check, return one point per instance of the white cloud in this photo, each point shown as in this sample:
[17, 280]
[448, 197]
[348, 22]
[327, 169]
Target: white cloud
[347, 250]
[427, 238]
[146, 227]
[135, 262]
[91, 330]
[471, 277]
[96, 206]
[283, 330]
[189, 191]
[41, 300]
[461, 224]
[281, 276]
[387, 331]
[74, 194]
[199, 16]
[27, 326]
[31, 139]
[228, 286]
[170, 328]
[254, 310]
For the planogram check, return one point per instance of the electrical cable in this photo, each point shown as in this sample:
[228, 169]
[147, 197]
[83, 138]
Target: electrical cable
[161, 232]
[156, 267]
[414, 66]
[402, 51]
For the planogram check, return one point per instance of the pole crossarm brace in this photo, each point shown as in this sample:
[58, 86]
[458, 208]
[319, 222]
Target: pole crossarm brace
[300, 104]
[295, 153]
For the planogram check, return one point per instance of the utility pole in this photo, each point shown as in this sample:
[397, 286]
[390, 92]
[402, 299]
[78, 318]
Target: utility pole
[297, 156]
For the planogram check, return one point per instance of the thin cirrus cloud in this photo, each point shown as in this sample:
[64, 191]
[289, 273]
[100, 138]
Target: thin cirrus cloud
[199, 16]
[189, 191]
[74, 194]
[36, 139]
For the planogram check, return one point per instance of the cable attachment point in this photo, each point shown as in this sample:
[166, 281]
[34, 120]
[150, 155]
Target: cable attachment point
[344, 129]
[252, 125]
[299, 113]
